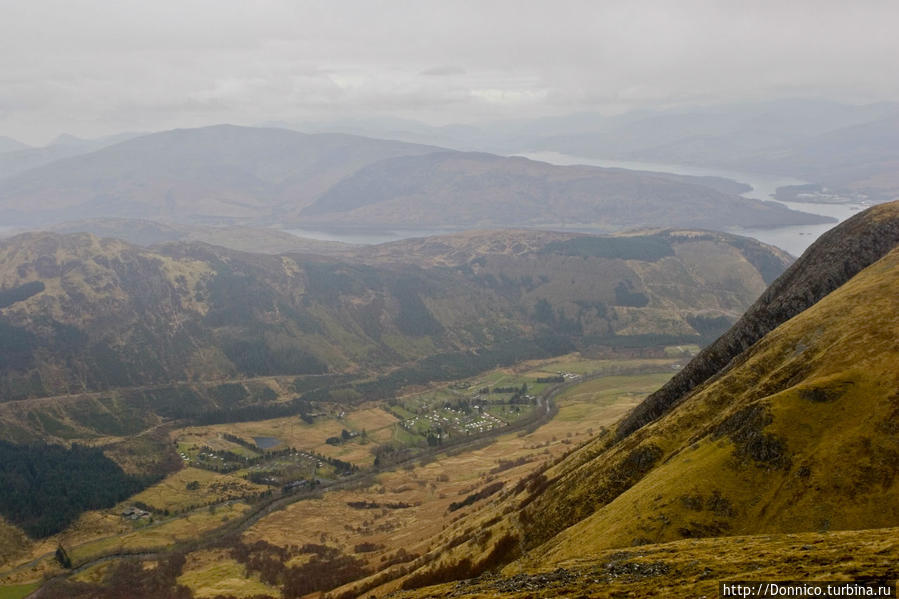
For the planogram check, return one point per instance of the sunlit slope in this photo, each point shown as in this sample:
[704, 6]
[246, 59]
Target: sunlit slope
[12, 541]
[799, 436]
[793, 430]
[831, 261]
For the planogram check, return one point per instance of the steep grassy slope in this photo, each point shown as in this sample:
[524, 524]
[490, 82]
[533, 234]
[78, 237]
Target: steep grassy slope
[831, 261]
[692, 568]
[12, 541]
[800, 435]
[81, 314]
[797, 433]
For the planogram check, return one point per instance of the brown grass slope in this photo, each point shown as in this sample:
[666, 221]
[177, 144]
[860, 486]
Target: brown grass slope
[692, 568]
[797, 434]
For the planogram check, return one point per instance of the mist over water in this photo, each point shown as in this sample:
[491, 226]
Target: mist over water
[371, 236]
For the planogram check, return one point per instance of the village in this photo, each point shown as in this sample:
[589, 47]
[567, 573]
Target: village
[439, 417]
[287, 467]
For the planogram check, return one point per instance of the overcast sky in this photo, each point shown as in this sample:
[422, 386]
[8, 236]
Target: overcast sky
[92, 67]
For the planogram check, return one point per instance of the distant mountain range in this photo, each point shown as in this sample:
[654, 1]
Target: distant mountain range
[238, 175]
[145, 232]
[17, 157]
[849, 147]
[8, 144]
[482, 190]
[214, 174]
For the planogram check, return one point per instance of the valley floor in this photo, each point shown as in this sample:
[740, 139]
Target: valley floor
[390, 519]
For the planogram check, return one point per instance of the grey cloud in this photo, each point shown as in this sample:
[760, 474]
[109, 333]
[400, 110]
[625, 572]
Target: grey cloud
[444, 71]
[94, 66]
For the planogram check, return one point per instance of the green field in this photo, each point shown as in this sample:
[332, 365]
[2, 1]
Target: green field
[18, 591]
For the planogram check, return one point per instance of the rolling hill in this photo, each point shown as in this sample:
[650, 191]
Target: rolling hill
[239, 175]
[80, 314]
[860, 159]
[213, 174]
[478, 190]
[21, 158]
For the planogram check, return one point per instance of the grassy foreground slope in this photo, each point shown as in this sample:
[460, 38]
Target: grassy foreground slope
[799, 436]
[692, 568]
[796, 434]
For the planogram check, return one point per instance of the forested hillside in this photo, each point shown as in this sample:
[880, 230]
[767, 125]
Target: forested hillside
[82, 314]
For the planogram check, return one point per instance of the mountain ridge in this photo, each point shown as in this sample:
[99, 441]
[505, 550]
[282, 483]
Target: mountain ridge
[226, 174]
[81, 309]
[8, 144]
[797, 289]
[216, 173]
[484, 189]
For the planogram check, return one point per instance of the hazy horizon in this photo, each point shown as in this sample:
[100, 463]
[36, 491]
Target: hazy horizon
[96, 68]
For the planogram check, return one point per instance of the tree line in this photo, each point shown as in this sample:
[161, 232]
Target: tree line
[39, 493]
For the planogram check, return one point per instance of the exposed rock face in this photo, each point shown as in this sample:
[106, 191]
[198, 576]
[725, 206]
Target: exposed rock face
[832, 260]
